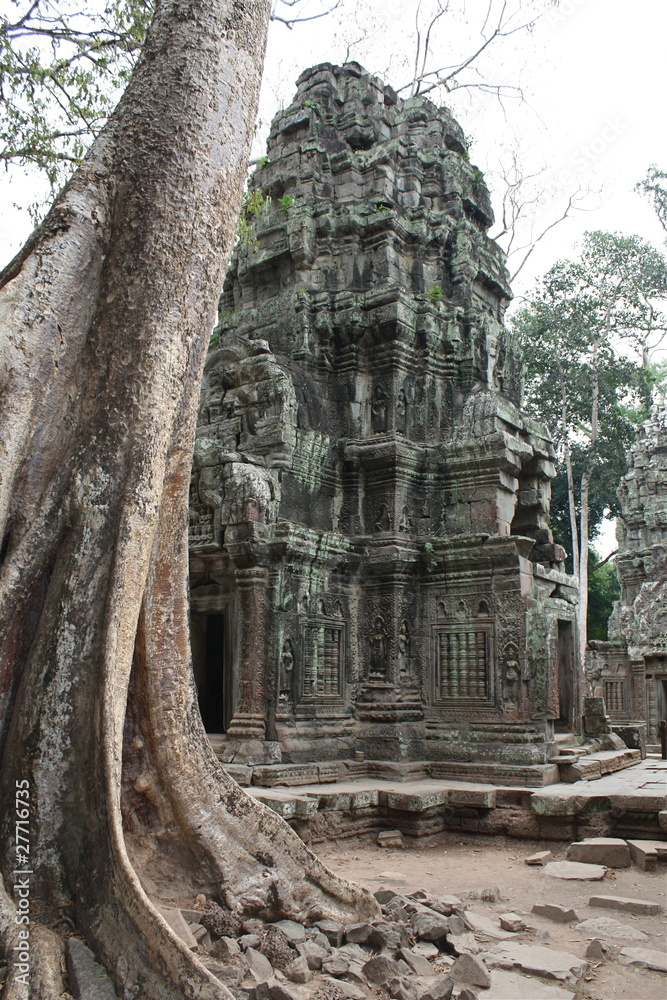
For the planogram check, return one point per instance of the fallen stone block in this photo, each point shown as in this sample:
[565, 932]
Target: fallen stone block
[626, 904]
[400, 989]
[390, 838]
[87, 979]
[336, 965]
[230, 975]
[456, 924]
[537, 959]
[643, 854]
[489, 927]
[260, 967]
[426, 948]
[467, 994]
[419, 965]
[358, 933]
[574, 870]
[513, 986]
[608, 927]
[554, 911]
[599, 951]
[646, 957]
[429, 926]
[441, 989]
[294, 931]
[610, 851]
[470, 969]
[379, 969]
[313, 954]
[540, 858]
[349, 990]
[511, 922]
[277, 991]
[463, 944]
[333, 931]
[298, 971]
[226, 949]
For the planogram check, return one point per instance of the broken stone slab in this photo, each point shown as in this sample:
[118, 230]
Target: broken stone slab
[463, 944]
[599, 951]
[358, 933]
[277, 991]
[575, 870]
[626, 904]
[333, 931]
[540, 858]
[87, 979]
[490, 927]
[513, 986]
[226, 949]
[298, 970]
[554, 911]
[426, 948]
[400, 989]
[419, 965]
[383, 896]
[260, 967]
[349, 990]
[336, 965]
[644, 854]
[388, 938]
[608, 927]
[294, 931]
[379, 969]
[313, 954]
[429, 926]
[179, 926]
[610, 851]
[441, 989]
[230, 975]
[456, 924]
[537, 959]
[647, 957]
[511, 922]
[467, 994]
[249, 941]
[471, 970]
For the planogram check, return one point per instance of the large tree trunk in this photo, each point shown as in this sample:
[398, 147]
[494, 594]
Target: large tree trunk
[105, 318]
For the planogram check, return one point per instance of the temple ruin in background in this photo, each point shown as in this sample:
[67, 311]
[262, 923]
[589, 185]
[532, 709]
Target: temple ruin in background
[373, 577]
[630, 670]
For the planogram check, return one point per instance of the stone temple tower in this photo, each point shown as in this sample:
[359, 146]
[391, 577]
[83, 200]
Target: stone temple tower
[372, 571]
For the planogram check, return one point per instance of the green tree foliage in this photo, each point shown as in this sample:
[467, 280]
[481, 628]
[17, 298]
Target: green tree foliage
[587, 339]
[62, 66]
[654, 186]
[603, 591]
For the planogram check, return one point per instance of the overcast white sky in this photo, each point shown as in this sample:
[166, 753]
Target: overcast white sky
[593, 72]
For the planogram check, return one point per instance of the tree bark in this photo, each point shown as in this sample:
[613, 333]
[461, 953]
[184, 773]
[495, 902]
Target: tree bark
[104, 323]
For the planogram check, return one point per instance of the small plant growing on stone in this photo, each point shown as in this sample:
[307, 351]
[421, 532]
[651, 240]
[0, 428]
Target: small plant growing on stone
[435, 293]
[254, 203]
[262, 162]
[477, 176]
[381, 206]
[287, 202]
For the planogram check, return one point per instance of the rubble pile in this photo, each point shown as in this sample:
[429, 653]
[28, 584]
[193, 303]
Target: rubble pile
[424, 947]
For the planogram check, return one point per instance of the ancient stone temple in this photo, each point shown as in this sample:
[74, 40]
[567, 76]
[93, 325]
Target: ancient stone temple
[631, 669]
[372, 570]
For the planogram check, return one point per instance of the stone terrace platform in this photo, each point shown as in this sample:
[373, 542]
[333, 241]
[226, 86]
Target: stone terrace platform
[629, 803]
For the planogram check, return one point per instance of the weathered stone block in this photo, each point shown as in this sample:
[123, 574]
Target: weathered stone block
[610, 851]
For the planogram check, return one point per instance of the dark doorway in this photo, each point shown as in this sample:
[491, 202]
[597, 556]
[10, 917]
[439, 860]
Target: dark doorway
[565, 677]
[211, 677]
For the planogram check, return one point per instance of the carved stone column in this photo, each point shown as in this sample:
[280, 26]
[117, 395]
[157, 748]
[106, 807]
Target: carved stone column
[249, 720]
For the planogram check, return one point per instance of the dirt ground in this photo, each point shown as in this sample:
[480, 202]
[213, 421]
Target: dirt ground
[452, 865]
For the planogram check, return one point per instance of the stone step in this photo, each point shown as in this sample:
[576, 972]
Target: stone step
[595, 765]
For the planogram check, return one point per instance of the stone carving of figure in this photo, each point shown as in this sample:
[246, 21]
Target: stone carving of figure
[401, 413]
[406, 520]
[593, 676]
[378, 664]
[286, 670]
[403, 655]
[383, 522]
[511, 675]
[379, 411]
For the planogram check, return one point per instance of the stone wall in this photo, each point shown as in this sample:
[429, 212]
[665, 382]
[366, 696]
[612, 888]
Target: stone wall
[369, 508]
[631, 669]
